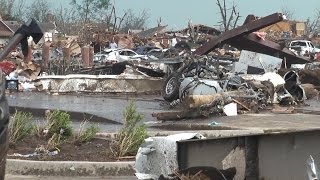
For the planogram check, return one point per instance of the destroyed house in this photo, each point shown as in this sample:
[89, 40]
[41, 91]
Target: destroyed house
[7, 29]
[49, 30]
[200, 29]
[152, 32]
[286, 29]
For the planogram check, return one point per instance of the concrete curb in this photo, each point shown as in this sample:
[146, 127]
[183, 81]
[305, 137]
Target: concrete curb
[69, 168]
[206, 133]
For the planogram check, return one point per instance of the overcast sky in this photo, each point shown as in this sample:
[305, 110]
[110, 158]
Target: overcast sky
[176, 13]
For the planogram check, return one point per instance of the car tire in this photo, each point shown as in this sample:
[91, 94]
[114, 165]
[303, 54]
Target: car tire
[170, 90]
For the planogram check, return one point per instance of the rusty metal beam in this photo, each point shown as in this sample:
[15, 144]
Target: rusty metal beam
[240, 31]
[253, 43]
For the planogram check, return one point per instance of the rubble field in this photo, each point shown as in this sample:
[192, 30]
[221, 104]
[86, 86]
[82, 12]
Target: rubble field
[243, 78]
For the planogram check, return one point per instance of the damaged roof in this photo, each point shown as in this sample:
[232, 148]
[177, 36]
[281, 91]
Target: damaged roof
[201, 28]
[13, 25]
[5, 30]
[151, 32]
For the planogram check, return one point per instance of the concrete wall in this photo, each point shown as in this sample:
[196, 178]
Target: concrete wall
[101, 84]
[283, 157]
[221, 154]
[280, 156]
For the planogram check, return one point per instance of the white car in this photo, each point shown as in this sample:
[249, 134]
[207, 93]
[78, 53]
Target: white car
[118, 55]
[303, 47]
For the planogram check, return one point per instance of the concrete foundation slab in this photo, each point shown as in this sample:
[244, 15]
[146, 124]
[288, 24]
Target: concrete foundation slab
[101, 84]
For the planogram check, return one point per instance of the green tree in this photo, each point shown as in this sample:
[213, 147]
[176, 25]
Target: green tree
[64, 18]
[19, 10]
[39, 10]
[135, 21]
[313, 25]
[91, 10]
[6, 9]
[12, 10]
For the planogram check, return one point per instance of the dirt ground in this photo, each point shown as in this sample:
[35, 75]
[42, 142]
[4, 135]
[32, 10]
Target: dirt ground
[97, 150]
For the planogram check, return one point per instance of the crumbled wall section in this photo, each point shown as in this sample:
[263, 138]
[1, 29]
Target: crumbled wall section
[101, 84]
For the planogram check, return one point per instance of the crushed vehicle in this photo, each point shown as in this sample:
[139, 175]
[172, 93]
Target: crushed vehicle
[117, 55]
[144, 50]
[156, 53]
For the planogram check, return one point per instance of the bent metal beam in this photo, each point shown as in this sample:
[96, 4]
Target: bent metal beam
[240, 31]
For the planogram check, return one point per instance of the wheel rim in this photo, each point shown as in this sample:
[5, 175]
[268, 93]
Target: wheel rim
[171, 85]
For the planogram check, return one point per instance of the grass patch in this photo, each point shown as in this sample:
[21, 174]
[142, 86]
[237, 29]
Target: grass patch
[85, 133]
[20, 126]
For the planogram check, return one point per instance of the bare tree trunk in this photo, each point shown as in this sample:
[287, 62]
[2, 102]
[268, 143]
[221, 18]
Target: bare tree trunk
[313, 26]
[233, 18]
[237, 17]
[113, 13]
[121, 21]
[115, 21]
[86, 13]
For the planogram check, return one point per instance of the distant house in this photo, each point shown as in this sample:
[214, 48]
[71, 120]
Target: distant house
[49, 30]
[13, 25]
[8, 28]
[287, 28]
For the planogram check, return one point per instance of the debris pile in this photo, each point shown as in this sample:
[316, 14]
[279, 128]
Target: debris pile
[195, 61]
[203, 86]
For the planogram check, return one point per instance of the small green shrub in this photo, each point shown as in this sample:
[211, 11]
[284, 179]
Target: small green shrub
[39, 128]
[86, 134]
[55, 141]
[20, 126]
[58, 122]
[131, 136]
